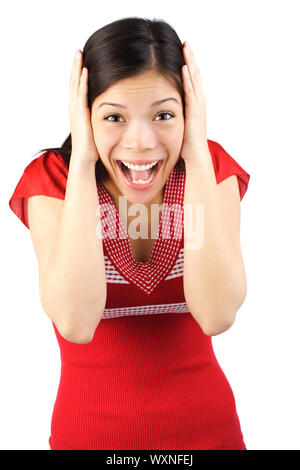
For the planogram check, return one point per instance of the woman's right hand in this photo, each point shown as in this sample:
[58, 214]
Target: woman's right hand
[83, 143]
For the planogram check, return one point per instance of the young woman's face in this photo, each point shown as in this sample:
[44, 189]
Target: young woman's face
[138, 131]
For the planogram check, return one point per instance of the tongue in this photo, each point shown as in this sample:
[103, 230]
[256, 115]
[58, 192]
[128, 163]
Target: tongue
[140, 175]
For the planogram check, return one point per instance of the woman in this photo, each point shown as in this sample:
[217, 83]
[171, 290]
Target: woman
[134, 316]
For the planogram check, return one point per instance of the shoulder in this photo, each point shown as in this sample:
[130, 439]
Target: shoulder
[230, 175]
[48, 161]
[51, 171]
[45, 175]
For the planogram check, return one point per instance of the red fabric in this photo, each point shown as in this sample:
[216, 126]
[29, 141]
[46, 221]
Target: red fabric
[45, 175]
[225, 166]
[149, 379]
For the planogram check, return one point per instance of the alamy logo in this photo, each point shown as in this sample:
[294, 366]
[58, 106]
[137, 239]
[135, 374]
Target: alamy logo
[172, 218]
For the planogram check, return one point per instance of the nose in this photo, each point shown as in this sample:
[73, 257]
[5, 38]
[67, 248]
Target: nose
[139, 137]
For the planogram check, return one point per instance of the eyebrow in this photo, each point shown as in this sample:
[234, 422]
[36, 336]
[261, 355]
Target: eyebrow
[152, 105]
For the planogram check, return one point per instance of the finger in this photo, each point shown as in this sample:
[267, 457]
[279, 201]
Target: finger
[191, 60]
[75, 77]
[189, 95]
[83, 88]
[194, 72]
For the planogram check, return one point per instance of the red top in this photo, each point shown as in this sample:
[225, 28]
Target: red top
[149, 379]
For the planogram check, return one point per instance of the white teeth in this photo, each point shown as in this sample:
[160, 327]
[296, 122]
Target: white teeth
[139, 167]
[142, 181]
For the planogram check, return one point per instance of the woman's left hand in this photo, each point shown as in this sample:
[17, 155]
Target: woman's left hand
[195, 134]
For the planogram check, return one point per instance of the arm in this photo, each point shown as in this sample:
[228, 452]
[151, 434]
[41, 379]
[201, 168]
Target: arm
[72, 274]
[214, 278]
[214, 275]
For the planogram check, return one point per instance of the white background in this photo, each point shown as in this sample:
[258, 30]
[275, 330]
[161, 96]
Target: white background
[248, 55]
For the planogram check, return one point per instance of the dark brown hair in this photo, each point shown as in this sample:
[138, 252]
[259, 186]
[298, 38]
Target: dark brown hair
[122, 49]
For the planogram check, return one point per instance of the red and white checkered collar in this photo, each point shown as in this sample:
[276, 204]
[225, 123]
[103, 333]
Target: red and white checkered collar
[146, 276]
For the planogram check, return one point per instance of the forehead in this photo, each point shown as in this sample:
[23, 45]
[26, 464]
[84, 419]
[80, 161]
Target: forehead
[147, 85]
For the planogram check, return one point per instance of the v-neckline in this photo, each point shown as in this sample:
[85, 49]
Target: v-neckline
[146, 275]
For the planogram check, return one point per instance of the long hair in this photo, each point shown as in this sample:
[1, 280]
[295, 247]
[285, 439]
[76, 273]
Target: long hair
[122, 49]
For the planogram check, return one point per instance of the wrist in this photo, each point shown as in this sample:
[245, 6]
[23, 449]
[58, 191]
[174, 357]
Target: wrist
[81, 163]
[199, 156]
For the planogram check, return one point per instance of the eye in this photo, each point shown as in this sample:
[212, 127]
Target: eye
[110, 115]
[106, 118]
[162, 114]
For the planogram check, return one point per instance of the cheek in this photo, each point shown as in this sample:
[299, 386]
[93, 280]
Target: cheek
[172, 132]
[104, 141]
[175, 138]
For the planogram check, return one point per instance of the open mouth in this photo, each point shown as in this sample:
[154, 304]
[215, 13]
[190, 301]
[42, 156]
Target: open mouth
[139, 177]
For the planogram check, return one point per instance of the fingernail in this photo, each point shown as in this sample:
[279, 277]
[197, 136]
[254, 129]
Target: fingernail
[77, 54]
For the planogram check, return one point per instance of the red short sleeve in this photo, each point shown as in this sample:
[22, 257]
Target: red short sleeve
[225, 166]
[45, 175]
